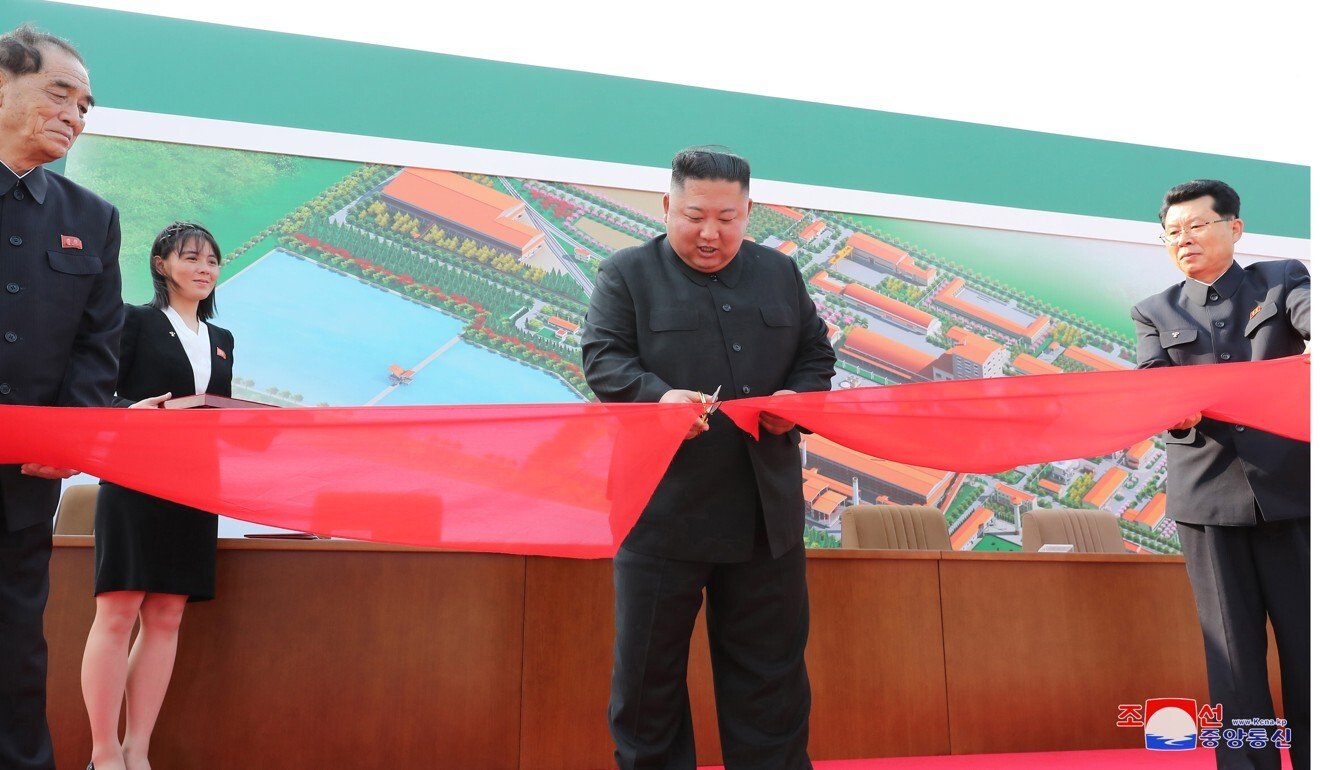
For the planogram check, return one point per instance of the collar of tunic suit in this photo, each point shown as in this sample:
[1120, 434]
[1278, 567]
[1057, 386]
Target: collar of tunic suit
[35, 181]
[729, 275]
[1225, 285]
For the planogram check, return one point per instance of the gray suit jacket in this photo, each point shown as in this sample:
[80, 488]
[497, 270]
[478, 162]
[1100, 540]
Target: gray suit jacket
[1219, 473]
[656, 324]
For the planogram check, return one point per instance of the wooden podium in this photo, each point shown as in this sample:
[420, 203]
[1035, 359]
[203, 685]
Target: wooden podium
[346, 654]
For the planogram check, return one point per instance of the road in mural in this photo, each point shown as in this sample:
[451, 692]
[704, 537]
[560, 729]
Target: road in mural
[364, 284]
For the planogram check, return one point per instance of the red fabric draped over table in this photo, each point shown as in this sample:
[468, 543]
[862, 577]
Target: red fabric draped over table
[570, 480]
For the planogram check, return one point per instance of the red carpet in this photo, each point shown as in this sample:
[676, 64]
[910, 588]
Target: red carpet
[1111, 759]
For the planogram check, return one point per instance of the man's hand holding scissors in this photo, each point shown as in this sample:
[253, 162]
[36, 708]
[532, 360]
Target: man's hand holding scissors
[702, 423]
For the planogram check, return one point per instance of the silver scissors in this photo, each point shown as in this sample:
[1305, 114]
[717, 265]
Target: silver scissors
[711, 405]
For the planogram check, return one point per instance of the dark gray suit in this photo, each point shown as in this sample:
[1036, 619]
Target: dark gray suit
[1241, 496]
[727, 516]
[60, 318]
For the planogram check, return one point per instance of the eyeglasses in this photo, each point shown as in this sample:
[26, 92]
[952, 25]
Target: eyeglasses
[1196, 230]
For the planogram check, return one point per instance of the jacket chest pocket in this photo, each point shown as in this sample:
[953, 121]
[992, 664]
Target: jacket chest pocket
[778, 331]
[672, 334]
[71, 275]
[73, 264]
[1259, 315]
[777, 316]
[1183, 346]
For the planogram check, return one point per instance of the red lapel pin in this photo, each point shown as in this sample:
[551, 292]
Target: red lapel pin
[221, 353]
[1254, 311]
[70, 242]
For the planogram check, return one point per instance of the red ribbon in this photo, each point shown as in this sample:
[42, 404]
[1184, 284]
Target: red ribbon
[987, 426]
[560, 480]
[571, 480]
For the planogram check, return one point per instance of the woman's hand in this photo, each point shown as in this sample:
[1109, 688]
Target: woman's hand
[152, 403]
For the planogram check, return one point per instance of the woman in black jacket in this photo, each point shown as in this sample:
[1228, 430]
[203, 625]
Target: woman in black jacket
[153, 556]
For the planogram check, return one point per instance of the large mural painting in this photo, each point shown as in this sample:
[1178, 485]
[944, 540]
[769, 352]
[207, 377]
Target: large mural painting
[352, 284]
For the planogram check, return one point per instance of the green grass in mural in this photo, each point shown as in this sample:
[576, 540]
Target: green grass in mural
[263, 247]
[236, 194]
[1097, 280]
[995, 543]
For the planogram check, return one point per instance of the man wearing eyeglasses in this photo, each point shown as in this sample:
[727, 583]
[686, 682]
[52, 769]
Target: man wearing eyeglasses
[1240, 496]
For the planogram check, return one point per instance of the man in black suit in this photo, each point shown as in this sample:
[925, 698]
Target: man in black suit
[1241, 496]
[60, 316]
[670, 320]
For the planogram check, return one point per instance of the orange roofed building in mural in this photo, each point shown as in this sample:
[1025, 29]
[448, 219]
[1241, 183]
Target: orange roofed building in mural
[876, 479]
[1138, 453]
[1031, 365]
[811, 231]
[825, 498]
[563, 324]
[465, 208]
[887, 356]
[1093, 360]
[1016, 499]
[972, 356]
[1105, 487]
[1149, 514]
[792, 214]
[898, 313]
[991, 312]
[878, 255]
[822, 281]
[971, 528]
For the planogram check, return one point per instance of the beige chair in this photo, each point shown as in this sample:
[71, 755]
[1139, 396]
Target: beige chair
[77, 512]
[898, 527]
[1088, 531]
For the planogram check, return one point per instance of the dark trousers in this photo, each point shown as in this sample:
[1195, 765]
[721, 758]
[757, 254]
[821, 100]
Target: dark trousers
[1239, 576]
[756, 617]
[24, 585]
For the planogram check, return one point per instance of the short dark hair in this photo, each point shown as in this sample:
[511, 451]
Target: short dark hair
[709, 162]
[20, 49]
[1227, 202]
[177, 237]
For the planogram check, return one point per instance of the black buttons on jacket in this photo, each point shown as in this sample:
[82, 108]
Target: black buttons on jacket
[14, 240]
[19, 194]
[1214, 296]
[746, 389]
[13, 288]
[737, 348]
[4, 388]
[1219, 324]
[1224, 356]
[727, 308]
[11, 337]
[1239, 428]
